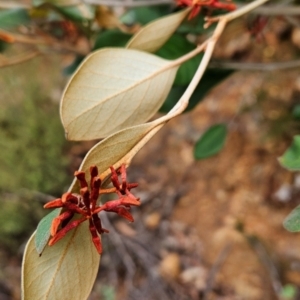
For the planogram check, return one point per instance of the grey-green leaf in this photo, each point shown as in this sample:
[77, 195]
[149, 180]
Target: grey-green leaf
[43, 230]
[291, 157]
[292, 221]
[211, 142]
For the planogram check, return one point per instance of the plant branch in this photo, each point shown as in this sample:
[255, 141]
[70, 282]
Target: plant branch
[278, 10]
[48, 41]
[235, 14]
[256, 66]
[210, 45]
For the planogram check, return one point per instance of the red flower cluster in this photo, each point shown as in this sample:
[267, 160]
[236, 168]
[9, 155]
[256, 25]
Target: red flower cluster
[211, 4]
[85, 204]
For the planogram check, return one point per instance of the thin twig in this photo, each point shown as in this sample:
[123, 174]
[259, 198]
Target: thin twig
[256, 66]
[278, 10]
[120, 247]
[235, 14]
[268, 263]
[48, 41]
[214, 270]
[19, 59]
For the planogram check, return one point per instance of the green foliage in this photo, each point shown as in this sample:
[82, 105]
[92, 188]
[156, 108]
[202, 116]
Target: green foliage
[108, 292]
[296, 112]
[176, 47]
[111, 38]
[13, 17]
[211, 142]
[210, 79]
[289, 292]
[292, 221]
[291, 157]
[19, 215]
[77, 13]
[31, 138]
[144, 15]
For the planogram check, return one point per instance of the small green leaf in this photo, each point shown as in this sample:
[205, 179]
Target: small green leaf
[43, 230]
[288, 292]
[292, 221]
[291, 157]
[111, 38]
[211, 142]
[13, 17]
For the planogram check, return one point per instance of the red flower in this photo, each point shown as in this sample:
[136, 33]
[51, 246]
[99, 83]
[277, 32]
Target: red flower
[85, 204]
[198, 4]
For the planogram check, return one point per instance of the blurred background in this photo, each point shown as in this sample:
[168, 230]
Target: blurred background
[210, 224]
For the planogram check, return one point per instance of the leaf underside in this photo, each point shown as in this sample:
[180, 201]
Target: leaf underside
[114, 89]
[65, 271]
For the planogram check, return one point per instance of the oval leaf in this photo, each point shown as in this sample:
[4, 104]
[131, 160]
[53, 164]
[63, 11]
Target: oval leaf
[65, 271]
[116, 149]
[113, 89]
[291, 157]
[292, 221]
[151, 37]
[211, 142]
[43, 230]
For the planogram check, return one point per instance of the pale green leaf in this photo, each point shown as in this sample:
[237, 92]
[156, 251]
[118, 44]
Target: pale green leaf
[65, 271]
[43, 230]
[151, 37]
[292, 221]
[114, 89]
[211, 142]
[291, 157]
